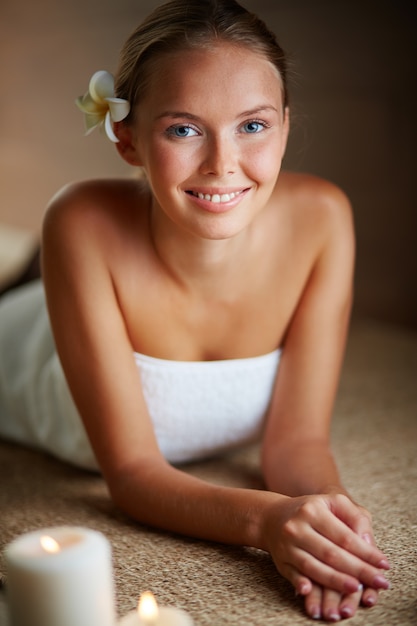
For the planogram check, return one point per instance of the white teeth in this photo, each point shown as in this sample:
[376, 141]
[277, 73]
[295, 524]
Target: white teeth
[217, 198]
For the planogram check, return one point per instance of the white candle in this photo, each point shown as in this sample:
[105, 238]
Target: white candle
[150, 614]
[65, 580]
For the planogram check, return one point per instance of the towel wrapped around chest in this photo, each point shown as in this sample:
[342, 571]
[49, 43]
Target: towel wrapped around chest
[198, 409]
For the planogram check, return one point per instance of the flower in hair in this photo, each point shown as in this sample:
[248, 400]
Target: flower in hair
[99, 105]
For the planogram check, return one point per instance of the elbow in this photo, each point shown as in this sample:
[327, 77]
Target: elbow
[132, 487]
[119, 488]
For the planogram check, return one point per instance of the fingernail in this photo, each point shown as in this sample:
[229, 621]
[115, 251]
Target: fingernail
[334, 617]
[381, 582]
[383, 564]
[369, 601]
[316, 614]
[346, 611]
[367, 538]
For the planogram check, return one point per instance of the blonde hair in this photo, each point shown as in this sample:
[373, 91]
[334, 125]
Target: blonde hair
[189, 24]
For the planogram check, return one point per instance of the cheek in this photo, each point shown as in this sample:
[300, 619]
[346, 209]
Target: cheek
[170, 162]
[265, 161]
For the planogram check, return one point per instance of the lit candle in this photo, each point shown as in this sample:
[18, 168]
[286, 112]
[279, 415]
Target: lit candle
[60, 577]
[150, 614]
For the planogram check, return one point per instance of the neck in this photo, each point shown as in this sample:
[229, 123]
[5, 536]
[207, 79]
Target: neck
[206, 265]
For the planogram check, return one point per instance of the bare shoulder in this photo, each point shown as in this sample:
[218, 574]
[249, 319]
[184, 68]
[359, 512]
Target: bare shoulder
[99, 214]
[314, 197]
[319, 210]
[313, 192]
[94, 199]
[93, 228]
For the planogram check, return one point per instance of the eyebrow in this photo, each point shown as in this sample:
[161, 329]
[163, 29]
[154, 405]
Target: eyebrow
[259, 109]
[191, 116]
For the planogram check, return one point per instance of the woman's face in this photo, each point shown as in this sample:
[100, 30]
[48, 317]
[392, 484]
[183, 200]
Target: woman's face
[211, 133]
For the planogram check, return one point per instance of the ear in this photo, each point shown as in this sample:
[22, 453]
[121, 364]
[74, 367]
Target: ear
[285, 130]
[126, 146]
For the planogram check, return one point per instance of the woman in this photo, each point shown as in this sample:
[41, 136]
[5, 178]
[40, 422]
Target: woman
[198, 307]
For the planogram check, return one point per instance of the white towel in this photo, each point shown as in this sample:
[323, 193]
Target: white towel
[202, 408]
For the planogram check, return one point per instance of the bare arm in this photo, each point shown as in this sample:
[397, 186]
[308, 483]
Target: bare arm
[296, 452]
[297, 457]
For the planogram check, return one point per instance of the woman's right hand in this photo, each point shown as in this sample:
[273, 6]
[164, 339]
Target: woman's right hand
[312, 540]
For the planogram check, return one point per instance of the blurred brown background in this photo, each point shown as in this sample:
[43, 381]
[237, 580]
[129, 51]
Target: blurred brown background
[354, 116]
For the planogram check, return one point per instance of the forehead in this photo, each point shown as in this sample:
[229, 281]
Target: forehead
[213, 75]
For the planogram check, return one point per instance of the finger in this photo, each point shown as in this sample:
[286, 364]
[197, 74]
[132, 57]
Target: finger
[313, 602]
[354, 515]
[359, 521]
[333, 567]
[366, 532]
[368, 537]
[369, 597]
[349, 604]
[321, 573]
[301, 583]
[330, 605]
[347, 511]
[363, 526]
[336, 531]
[343, 561]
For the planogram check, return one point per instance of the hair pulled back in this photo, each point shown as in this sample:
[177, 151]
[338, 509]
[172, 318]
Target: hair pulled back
[189, 24]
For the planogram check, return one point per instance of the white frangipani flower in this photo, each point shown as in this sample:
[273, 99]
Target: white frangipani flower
[99, 105]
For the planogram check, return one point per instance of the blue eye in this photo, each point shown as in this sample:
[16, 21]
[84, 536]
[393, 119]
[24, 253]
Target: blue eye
[181, 130]
[253, 127]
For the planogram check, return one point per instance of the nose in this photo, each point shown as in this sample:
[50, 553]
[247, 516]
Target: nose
[220, 156]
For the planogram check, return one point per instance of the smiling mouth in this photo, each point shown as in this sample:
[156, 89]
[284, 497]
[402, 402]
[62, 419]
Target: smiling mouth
[216, 198]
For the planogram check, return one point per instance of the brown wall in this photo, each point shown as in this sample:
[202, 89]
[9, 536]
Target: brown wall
[354, 105]
[354, 112]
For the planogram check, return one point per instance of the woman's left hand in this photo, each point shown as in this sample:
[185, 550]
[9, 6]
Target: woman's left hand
[332, 606]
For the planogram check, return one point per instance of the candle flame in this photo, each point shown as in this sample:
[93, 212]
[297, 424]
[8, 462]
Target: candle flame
[50, 545]
[148, 608]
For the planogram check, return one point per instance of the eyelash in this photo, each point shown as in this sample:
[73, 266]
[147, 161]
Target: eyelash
[171, 131]
[259, 122]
